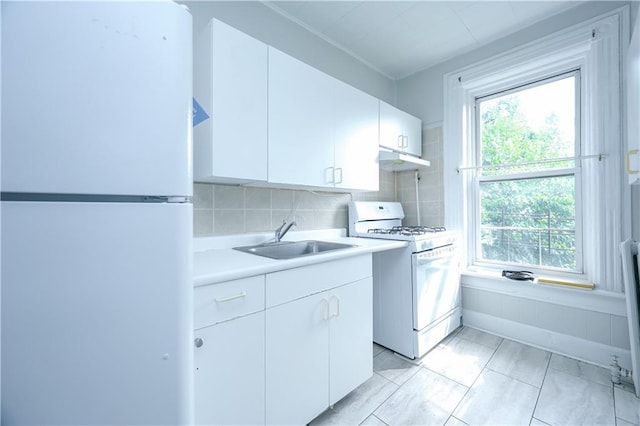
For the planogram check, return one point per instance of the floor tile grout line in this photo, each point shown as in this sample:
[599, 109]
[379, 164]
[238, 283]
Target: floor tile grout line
[483, 344]
[474, 381]
[383, 401]
[546, 371]
[392, 393]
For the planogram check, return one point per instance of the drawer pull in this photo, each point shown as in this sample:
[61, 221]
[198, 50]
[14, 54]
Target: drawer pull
[230, 298]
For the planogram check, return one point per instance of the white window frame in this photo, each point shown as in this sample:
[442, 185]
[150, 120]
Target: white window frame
[593, 47]
[575, 171]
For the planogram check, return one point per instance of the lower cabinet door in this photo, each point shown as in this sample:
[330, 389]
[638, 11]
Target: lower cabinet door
[297, 354]
[229, 372]
[351, 335]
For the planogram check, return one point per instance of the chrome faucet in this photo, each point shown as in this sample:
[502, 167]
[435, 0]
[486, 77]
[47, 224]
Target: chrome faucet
[283, 229]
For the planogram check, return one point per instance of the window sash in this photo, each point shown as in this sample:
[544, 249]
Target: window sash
[479, 260]
[478, 178]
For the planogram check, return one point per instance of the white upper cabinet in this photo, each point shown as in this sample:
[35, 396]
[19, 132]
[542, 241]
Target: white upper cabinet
[322, 133]
[400, 131]
[355, 139]
[300, 123]
[230, 70]
[633, 106]
[276, 120]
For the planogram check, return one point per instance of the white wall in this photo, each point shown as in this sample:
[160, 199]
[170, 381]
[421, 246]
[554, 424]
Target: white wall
[264, 24]
[421, 94]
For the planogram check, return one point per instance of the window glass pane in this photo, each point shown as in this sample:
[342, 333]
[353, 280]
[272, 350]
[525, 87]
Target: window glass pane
[529, 222]
[529, 125]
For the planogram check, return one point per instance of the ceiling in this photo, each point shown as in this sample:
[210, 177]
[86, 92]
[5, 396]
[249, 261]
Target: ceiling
[399, 38]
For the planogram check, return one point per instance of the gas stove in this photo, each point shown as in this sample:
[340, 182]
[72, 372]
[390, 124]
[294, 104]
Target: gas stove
[416, 289]
[383, 220]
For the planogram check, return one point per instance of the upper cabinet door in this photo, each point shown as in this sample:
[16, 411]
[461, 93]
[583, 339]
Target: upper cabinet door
[356, 138]
[400, 131]
[412, 131]
[390, 127]
[633, 106]
[231, 86]
[300, 123]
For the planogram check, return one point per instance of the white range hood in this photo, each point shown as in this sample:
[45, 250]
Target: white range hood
[398, 162]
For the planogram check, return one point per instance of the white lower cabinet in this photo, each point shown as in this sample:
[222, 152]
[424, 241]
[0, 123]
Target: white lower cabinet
[229, 372]
[318, 347]
[281, 348]
[351, 335]
[229, 352]
[297, 377]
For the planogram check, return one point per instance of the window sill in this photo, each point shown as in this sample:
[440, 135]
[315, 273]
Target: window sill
[595, 300]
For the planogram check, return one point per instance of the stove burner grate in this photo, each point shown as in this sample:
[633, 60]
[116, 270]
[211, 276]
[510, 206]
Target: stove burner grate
[407, 230]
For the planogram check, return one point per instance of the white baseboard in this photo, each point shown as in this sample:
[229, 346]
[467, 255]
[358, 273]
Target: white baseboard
[562, 344]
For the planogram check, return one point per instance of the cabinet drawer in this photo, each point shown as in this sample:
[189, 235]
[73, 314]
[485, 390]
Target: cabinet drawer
[220, 302]
[284, 286]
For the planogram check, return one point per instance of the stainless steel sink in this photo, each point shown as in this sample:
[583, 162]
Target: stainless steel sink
[293, 249]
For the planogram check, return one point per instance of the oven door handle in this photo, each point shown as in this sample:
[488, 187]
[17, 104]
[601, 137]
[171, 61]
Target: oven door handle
[436, 254]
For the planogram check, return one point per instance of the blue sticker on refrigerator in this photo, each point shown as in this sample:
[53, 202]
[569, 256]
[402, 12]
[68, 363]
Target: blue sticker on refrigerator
[199, 114]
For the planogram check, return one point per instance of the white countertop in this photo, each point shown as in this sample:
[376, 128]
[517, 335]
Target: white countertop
[215, 261]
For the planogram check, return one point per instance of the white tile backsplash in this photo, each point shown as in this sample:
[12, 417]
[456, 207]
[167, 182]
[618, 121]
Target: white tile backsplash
[228, 209]
[430, 184]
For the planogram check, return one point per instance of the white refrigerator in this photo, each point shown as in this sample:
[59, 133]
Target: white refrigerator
[96, 300]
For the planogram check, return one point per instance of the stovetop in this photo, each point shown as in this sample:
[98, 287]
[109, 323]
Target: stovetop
[420, 238]
[383, 220]
[407, 230]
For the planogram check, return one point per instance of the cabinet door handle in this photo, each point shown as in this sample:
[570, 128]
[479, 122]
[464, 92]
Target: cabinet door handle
[230, 298]
[198, 342]
[338, 171]
[337, 314]
[400, 141]
[628, 161]
[327, 307]
[330, 175]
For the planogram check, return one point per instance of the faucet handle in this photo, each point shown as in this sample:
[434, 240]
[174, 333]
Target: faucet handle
[278, 232]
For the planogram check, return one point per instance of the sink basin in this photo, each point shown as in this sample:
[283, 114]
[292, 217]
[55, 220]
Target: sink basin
[292, 249]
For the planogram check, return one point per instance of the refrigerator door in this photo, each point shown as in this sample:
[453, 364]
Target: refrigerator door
[96, 313]
[96, 97]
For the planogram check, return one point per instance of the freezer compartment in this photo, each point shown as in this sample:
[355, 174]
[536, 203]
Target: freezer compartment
[96, 323]
[96, 97]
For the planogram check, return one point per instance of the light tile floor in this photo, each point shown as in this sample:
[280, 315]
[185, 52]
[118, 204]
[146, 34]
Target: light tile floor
[476, 378]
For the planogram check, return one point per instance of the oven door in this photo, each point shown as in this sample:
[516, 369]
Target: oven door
[436, 284]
